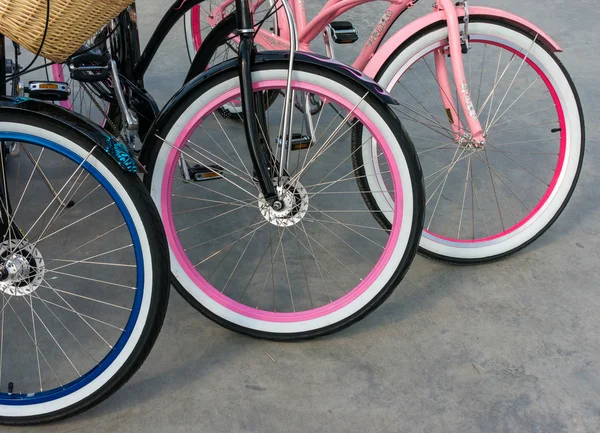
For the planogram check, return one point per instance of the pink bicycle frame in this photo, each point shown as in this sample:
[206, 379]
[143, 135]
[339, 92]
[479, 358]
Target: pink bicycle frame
[308, 31]
[460, 78]
[334, 8]
[370, 59]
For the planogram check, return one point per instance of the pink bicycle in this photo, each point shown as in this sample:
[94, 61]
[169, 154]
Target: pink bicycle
[499, 128]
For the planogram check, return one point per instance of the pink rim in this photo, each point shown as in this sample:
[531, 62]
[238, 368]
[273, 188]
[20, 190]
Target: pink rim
[561, 158]
[197, 36]
[57, 74]
[215, 294]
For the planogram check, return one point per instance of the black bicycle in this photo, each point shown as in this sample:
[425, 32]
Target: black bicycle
[269, 236]
[268, 231]
[84, 267]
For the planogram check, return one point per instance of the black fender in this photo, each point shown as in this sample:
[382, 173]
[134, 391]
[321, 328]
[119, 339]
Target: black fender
[222, 31]
[210, 44]
[299, 57]
[267, 57]
[118, 151]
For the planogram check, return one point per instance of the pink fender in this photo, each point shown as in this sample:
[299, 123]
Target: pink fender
[388, 48]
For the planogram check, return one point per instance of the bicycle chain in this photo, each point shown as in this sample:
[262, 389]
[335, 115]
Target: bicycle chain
[112, 125]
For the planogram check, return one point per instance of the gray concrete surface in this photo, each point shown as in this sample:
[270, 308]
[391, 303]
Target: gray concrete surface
[507, 347]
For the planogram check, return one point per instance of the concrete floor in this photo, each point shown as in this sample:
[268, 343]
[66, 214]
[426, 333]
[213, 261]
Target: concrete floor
[507, 347]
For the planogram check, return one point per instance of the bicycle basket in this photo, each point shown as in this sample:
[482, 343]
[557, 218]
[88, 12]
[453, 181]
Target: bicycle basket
[72, 23]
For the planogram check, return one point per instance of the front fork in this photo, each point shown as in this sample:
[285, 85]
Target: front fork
[458, 44]
[263, 160]
[262, 166]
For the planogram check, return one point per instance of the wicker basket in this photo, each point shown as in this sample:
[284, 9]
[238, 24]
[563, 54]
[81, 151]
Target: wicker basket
[72, 23]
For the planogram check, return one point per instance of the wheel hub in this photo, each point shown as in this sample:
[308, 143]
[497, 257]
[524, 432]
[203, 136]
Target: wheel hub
[291, 206]
[22, 267]
[467, 142]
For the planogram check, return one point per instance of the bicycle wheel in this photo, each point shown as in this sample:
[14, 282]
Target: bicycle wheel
[223, 45]
[319, 264]
[486, 203]
[83, 273]
[202, 18]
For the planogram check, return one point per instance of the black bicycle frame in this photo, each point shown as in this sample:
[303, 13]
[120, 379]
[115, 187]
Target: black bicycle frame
[2, 65]
[4, 204]
[133, 66]
[174, 14]
[6, 221]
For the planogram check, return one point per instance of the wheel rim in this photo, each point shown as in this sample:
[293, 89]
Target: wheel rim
[204, 17]
[69, 307]
[496, 116]
[276, 312]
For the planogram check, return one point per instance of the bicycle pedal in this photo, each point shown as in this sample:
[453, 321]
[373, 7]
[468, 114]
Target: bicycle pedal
[225, 113]
[200, 173]
[343, 32]
[300, 141]
[89, 67]
[48, 90]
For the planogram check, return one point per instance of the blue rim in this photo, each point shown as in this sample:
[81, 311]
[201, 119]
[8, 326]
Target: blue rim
[77, 384]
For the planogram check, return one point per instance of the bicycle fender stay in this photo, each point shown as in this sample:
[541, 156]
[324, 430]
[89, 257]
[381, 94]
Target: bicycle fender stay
[118, 151]
[404, 34]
